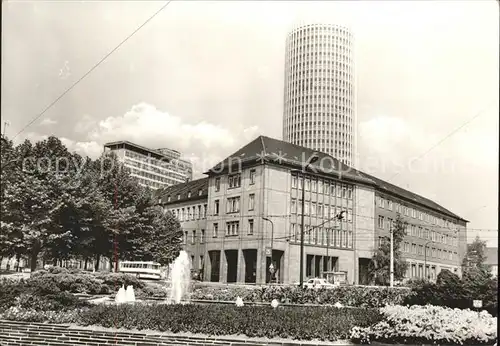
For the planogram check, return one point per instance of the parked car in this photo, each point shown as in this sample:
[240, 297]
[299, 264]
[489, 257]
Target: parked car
[318, 283]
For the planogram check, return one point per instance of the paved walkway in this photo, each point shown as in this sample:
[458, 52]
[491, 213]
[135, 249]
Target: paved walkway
[13, 333]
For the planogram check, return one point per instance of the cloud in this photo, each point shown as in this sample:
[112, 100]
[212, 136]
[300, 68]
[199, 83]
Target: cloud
[48, 121]
[204, 143]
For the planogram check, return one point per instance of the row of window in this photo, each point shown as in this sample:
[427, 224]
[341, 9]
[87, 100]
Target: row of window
[416, 214]
[431, 251]
[194, 235]
[415, 270]
[327, 187]
[189, 195]
[233, 204]
[419, 232]
[233, 228]
[153, 178]
[318, 209]
[196, 212]
[339, 237]
[234, 180]
[180, 165]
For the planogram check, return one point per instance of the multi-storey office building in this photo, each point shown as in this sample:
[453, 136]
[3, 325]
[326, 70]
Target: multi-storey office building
[319, 96]
[153, 168]
[254, 211]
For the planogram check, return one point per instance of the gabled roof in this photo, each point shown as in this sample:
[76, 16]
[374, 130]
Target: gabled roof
[279, 152]
[270, 150]
[491, 255]
[182, 190]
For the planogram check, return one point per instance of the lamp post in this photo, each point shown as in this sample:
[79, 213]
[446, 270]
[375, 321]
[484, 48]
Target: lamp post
[310, 161]
[271, 267]
[425, 259]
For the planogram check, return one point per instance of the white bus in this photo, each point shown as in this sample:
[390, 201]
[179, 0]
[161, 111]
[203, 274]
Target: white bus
[143, 270]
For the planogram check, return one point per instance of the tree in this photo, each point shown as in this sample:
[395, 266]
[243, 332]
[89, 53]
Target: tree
[379, 267]
[475, 255]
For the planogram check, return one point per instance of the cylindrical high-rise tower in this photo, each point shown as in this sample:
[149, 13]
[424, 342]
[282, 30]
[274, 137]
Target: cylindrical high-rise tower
[319, 104]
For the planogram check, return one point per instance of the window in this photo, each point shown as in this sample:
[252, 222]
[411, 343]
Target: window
[252, 176]
[380, 242]
[379, 200]
[349, 240]
[216, 229]
[306, 208]
[185, 237]
[390, 223]
[234, 181]
[294, 181]
[320, 186]
[413, 248]
[326, 188]
[200, 192]
[217, 184]
[193, 239]
[202, 237]
[178, 196]
[189, 194]
[349, 193]
[204, 211]
[197, 212]
[420, 249]
[337, 238]
[313, 186]
[382, 203]
[233, 205]
[339, 192]
[332, 190]
[313, 208]
[293, 206]
[216, 211]
[308, 185]
[389, 205]
[381, 222]
[293, 231]
[320, 210]
[250, 226]
[251, 201]
[168, 199]
[232, 228]
[344, 239]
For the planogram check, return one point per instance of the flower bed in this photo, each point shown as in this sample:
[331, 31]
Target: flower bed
[356, 296]
[430, 324]
[253, 321]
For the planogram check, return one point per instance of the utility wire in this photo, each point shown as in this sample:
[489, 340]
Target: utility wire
[447, 136]
[93, 68]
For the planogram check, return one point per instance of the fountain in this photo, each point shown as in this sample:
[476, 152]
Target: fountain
[121, 296]
[130, 295]
[180, 277]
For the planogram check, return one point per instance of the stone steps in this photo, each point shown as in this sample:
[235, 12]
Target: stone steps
[14, 333]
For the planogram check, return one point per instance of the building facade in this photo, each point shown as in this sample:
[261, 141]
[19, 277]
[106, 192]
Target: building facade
[319, 93]
[152, 168]
[251, 217]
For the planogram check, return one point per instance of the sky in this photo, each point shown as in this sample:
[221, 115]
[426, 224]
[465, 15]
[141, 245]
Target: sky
[206, 77]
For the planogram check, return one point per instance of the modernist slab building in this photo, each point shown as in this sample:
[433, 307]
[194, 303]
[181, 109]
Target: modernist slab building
[246, 214]
[152, 167]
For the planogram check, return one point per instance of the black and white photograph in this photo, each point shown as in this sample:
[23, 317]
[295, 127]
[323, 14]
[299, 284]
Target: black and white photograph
[283, 173]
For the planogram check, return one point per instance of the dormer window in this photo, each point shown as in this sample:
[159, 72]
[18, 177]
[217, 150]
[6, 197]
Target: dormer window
[159, 200]
[178, 196]
[200, 192]
[168, 199]
[189, 194]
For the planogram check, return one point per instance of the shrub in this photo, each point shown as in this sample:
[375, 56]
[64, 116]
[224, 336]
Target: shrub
[453, 292]
[356, 296]
[305, 323]
[9, 291]
[430, 324]
[62, 301]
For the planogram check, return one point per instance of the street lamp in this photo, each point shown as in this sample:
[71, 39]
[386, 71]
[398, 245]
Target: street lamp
[310, 161]
[425, 259]
[271, 267]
